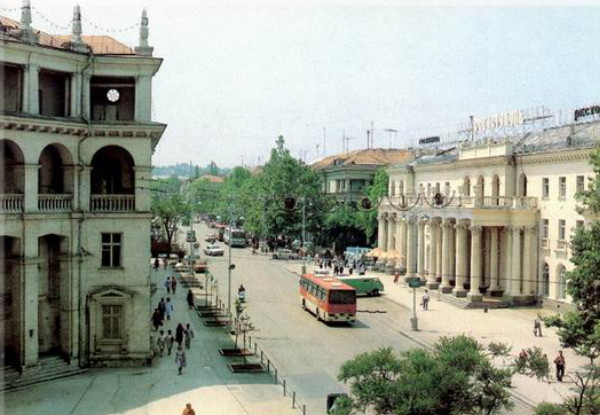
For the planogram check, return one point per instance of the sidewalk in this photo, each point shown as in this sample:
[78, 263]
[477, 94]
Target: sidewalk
[206, 383]
[513, 326]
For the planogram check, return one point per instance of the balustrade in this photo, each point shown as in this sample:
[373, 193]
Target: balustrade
[55, 202]
[11, 203]
[112, 203]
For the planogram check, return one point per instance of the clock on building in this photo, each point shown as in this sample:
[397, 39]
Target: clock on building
[113, 95]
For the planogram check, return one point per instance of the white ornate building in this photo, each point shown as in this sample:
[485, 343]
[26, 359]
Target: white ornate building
[75, 146]
[493, 217]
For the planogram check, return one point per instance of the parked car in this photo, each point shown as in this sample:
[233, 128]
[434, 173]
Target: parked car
[285, 254]
[201, 267]
[213, 250]
[210, 238]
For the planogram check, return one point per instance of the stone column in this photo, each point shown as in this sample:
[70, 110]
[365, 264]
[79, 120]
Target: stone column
[529, 258]
[142, 183]
[452, 257]
[400, 243]
[381, 233]
[506, 268]
[516, 275]
[75, 102]
[143, 98]
[404, 240]
[446, 256]
[494, 287]
[432, 277]
[438, 264]
[390, 232]
[31, 82]
[31, 187]
[31, 277]
[411, 248]
[474, 294]
[421, 249]
[86, 111]
[461, 256]
[85, 187]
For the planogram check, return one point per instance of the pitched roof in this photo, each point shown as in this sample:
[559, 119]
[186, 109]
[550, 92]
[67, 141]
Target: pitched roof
[370, 156]
[100, 45]
[212, 178]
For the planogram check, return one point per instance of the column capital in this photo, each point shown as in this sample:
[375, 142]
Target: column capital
[433, 223]
[516, 229]
[460, 226]
[423, 221]
[476, 228]
[446, 224]
[530, 229]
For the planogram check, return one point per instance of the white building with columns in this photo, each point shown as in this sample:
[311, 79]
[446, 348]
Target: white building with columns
[491, 217]
[76, 144]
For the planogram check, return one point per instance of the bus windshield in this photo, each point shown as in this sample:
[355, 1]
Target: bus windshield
[342, 297]
[238, 234]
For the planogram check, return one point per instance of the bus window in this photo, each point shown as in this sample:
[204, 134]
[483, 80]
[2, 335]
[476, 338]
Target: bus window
[342, 297]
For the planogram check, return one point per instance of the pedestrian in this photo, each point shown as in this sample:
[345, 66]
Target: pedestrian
[160, 342]
[189, 335]
[165, 264]
[190, 299]
[156, 319]
[537, 327]
[156, 263]
[522, 360]
[180, 359]
[179, 334]
[168, 284]
[162, 309]
[425, 300]
[396, 277]
[169, 309]
[173, 284]
[169, 340]
[188, 410]
[559, 361]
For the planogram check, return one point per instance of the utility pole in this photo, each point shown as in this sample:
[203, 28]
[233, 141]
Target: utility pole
[317, 150]
[368, 138]
[372, 133]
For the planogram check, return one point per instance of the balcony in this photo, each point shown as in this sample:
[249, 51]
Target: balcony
[112, 203]
[11, 203]
[55, 202]
[469, 202]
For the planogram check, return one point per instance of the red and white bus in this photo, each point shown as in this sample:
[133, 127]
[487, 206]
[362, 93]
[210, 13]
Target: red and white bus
[329, 299]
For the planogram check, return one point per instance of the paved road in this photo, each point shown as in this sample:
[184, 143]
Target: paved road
[306, 352]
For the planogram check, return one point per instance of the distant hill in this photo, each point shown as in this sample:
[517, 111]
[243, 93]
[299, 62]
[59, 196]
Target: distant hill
[184, 170]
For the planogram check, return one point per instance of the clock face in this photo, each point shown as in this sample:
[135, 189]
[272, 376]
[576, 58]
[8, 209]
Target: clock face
[113, 95]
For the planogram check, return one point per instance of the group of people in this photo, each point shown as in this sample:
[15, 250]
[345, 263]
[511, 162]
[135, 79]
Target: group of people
[183, 336]
[164, 310]
[171, 284]
[338, 264]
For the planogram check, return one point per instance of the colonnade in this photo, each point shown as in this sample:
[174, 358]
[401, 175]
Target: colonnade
[462, 256]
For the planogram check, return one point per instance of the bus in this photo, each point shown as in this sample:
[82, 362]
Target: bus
[327, 298]
[363, 285]
[220, 232]
[234, 237]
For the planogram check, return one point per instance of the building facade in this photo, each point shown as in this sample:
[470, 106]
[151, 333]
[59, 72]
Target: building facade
[491, 217]
[76, 145]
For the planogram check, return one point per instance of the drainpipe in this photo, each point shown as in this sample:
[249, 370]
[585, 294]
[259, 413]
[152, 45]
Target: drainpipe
[80, 250]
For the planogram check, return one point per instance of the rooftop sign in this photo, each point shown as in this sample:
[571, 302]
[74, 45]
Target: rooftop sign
[587, 112]
[507, 119]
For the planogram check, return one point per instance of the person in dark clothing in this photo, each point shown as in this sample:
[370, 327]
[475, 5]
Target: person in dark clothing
[162, 308]
[190, 299]
[156, 319]
[179, 334]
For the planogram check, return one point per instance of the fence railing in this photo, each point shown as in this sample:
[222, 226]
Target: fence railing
[456, 201]
[55, 202]
[112, 203]
[10, 203]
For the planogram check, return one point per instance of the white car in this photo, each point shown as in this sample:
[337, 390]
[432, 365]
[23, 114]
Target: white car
[181, 267]
[285, 254]
[213, 250]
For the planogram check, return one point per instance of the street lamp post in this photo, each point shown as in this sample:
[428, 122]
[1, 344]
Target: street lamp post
[304, 234]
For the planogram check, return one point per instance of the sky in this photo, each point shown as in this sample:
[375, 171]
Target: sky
[237, 74]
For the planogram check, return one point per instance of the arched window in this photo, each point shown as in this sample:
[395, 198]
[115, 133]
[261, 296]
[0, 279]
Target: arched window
[562, 282]
[392, 188]
[112, 171]
[481, 185]
[495, 189]
[546, 280]
[401, 188]
[52, 175]
[522, 190]
[467, 186]
[12, 174]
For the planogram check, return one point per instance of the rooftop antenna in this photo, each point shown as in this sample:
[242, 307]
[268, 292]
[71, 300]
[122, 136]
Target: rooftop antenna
[391, 131]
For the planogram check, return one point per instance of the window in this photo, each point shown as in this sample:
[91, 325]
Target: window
[111, 321]
[545, 188]
[562, 282]
[545, 228]
[561, 229]
[111, 249]
[580, 184]
[562, 187]
[546, 280]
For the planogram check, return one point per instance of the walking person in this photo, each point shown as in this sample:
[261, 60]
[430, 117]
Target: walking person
[189, 335]
[190, 299]
[168, 284]
[173, 284]
[162, 309]
[160, 342]
[156, 319]
[169, 340]
[537, 327]
[425, 300]
[179, 334]
[559, 361]
[169, 309]
[180, 359]
[188, 410]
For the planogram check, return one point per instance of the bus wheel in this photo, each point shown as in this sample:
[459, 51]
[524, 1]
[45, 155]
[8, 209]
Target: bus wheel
[318, 315]
[375, 292]
[303, 305]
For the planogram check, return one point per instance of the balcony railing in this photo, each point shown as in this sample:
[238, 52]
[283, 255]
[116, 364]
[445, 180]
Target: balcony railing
[479, 202]
[11, 203]
[562, 245]
[112, 203]
[55, 202]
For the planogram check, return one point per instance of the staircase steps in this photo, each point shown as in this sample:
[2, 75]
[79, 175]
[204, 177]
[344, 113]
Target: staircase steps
[49, 368]
[465, 303]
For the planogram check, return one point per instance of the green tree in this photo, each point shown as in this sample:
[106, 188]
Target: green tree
[457, 377]
[168, 206]
[367, 219]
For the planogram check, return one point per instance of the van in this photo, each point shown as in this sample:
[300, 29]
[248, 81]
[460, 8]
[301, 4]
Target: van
[364, 285]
